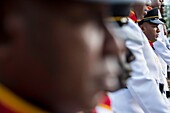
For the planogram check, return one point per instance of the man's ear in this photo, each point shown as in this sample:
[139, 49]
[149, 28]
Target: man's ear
[142, 27]
[11, 30]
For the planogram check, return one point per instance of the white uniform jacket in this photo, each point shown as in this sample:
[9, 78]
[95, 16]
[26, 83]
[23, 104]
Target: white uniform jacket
[163, 53]
[161, 47]
[143, 94]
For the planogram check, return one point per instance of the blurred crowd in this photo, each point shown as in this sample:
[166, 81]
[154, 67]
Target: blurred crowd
[84, 56]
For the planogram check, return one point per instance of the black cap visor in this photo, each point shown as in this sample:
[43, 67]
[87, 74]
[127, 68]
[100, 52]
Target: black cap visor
[155, 21]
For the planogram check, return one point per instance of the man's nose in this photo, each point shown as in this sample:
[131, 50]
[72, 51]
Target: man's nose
[157, 30]
[145, 13]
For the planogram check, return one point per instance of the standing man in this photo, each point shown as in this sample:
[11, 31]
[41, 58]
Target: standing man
[56, 56]
[149, 26]
[142, 94]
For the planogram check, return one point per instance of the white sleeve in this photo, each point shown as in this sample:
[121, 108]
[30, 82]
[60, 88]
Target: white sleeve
[142, 86]
[162, 50]
[162, 37]
[167, 43]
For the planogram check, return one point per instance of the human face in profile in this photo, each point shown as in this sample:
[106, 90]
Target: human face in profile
[65, 50]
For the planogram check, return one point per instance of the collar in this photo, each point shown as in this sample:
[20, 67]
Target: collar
[17, 105]
[151, 44]
[9, 100]
[132, 15]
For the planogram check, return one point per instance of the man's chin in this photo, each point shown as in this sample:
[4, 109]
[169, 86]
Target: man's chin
[98, 98]
[157, 35]
[155, 39]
